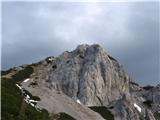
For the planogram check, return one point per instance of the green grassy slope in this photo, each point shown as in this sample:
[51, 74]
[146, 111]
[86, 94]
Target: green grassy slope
[12, 103]
[103, 111]
[13, 107]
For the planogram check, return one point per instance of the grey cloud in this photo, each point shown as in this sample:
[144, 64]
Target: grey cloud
[128, 31]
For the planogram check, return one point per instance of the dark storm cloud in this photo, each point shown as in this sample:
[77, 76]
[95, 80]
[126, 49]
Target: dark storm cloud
[128, 31]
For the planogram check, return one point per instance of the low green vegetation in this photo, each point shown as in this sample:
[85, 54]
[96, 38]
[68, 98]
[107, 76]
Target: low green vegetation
[12, 103]
[34, 83]
[103, 111]
[35, 98]
[148, 103]
[131, 82]
[61, 116]
[148, 87]
[64, 116]
[13, 107]
[11, 100]
[23, 74]
[5, 72]
[110, 57]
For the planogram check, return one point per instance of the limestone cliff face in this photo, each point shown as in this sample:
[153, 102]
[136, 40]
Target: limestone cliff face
[92, 77]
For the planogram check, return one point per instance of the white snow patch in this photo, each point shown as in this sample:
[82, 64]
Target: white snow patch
[137, 107]
[26, 101]
[29, 101]
[50, 59]
[33, 101]
[32, 104]
[26, 80]
[27, 97]
[78, 101]
[18, 86]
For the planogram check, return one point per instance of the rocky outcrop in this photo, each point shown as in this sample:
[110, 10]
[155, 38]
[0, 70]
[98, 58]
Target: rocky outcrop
[90, 76]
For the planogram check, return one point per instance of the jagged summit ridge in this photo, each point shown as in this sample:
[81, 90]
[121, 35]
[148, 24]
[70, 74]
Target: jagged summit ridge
[89, 49]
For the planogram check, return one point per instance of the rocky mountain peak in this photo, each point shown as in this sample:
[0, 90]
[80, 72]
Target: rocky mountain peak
[89, 49]
[89, 76]
[82, 47]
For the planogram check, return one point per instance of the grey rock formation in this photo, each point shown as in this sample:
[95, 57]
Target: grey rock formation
[89, 75]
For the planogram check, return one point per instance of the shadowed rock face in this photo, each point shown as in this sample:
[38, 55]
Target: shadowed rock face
[92, 77]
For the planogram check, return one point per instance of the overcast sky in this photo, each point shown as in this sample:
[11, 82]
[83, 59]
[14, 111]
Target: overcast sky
[128, 31]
